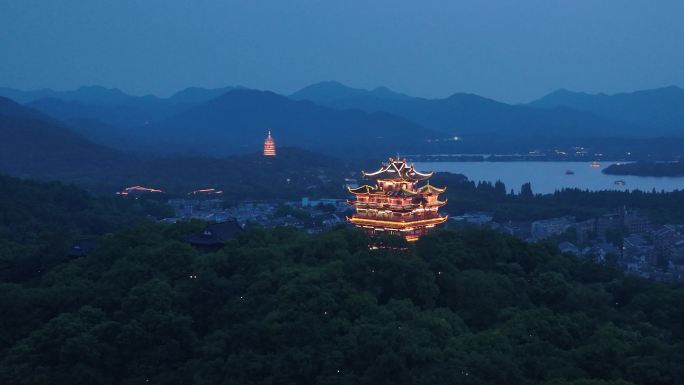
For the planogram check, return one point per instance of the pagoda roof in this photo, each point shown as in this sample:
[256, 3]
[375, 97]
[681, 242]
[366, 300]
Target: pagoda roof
[430, 189]
[365, 189]
[216, 234]
[402, 193]
[397, 169]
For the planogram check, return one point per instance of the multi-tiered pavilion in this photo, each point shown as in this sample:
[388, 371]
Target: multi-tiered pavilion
[398, 203]
[269, 145]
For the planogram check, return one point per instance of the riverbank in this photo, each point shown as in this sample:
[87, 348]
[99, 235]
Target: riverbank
[647, 169]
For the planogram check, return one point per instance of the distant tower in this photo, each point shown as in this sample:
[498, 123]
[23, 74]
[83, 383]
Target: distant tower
[269, 145]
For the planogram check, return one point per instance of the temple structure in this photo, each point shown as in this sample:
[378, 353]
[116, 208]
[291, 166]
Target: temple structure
[269, 145]
[398, 203]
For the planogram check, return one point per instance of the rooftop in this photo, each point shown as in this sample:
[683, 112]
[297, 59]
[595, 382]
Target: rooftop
[397, 169]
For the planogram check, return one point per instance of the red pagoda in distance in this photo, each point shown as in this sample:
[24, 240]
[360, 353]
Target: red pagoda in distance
[269, 145]
[397, 204]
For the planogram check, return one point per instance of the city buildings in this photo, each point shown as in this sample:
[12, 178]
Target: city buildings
[549, 227]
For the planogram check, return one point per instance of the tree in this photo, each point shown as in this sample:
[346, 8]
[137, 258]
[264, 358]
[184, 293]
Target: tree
[282, 306]
[499, 189]
[526, 191]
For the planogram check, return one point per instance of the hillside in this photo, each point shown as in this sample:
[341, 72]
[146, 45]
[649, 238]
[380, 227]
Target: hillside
[113, 113]
[331, 91]
[661, 109]
[34, 210]
[121, 117]
[197, 95]
[234, 120]
[39, 223]
[284, 307]
[333, 118]
[238, 122]
[87, 94]
[667, 169]
[102, 96]
[472, 115]
[292, 174]
[35, 146]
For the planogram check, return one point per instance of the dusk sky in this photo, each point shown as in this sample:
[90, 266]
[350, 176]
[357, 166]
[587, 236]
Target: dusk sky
[508, 50]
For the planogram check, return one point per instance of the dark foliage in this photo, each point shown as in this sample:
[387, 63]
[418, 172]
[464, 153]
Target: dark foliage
[647, 169]
[40, 221]
[30, 209]
[283, 307]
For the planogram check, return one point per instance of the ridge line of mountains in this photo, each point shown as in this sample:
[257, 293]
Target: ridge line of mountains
[96, 126]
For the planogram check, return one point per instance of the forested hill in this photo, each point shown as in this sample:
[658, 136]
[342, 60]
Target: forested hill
[35, 146]
[39, 223]
[284, 307]
[670, 169]
[30, 209]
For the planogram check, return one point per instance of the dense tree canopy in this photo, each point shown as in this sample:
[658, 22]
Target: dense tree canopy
[284, 307]
[29, 209]
[40, 221]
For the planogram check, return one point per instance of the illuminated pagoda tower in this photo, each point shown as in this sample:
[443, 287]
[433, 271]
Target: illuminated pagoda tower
[399, 203]
[269, 145]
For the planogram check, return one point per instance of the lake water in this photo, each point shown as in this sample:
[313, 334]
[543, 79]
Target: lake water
[547, 177]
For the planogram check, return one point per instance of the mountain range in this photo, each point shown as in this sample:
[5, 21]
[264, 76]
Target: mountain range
[649, 113]
[659, 110]
[111, 106]
[239, 120]
[36, 146]
[333, 118]
[98, 95]
[331, 91]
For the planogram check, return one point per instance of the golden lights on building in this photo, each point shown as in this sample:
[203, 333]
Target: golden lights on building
[138, 190]
[269, 145]
[399, 203]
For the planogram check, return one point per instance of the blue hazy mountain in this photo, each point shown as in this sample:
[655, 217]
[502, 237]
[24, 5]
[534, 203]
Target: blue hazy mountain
[108, 116]
[85, 94]
[331, 91]
[22, 97]
[661, 110]
[197, 95]
[465, 114]
[10, 108]
[98, 95]
[121, 116]
[35, 145]
[238, 121]
[111, 106]
[332, 117]
[206, 121]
